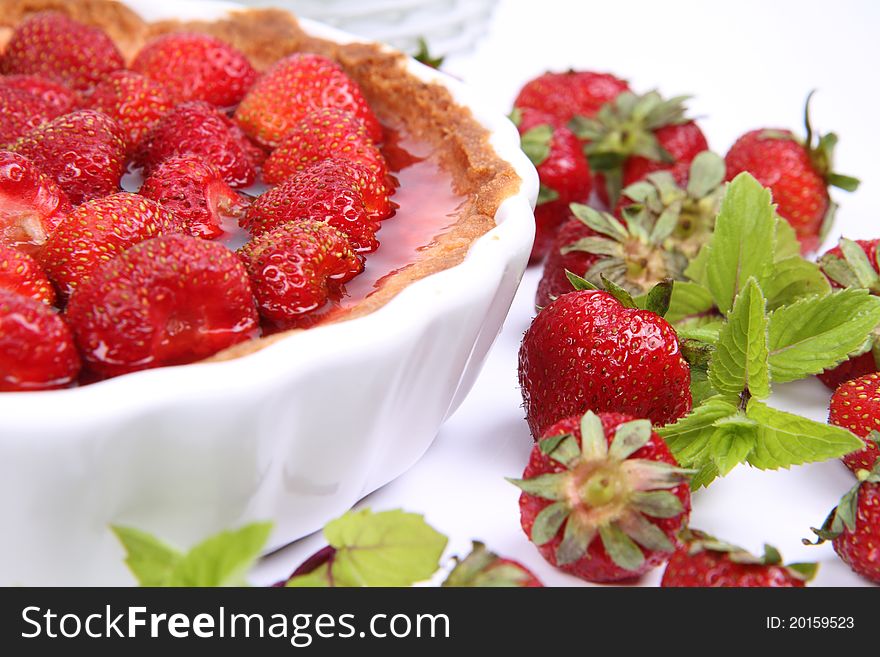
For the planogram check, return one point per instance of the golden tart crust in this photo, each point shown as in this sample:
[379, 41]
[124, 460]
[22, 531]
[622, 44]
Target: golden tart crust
[425, 112]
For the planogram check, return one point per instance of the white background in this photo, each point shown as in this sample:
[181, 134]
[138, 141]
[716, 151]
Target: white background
[749, 64]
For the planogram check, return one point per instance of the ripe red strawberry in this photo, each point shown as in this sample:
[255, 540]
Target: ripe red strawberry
[197, 128]
[853, 527]
[705, 561]
[21, 274]
[603, 498]
[84, 151]
[569, 94]
[562, 169]
[587, 351]
[483, 568]
[36, 348]
[60, 97]
[322, 192]
[297, 267]
[637, 135]
[31, 204]
[855, 405]
[554, 281]
[195, 193]
[59, 48]
[797, 172]
[196, 67]
[295, 86]
[852, 264]
[98, 231]
[133, 100]
[20, 112]
[167, 301]
[322, 134]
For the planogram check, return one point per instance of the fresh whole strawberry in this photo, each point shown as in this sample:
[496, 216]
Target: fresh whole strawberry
[602, 497]
[483, 568]
[798, 173]
[570, 94]
[295, 86]
[98, 231]
[167, 301]
[296, 268]
[587, 351]
[133, 100]
[637, 135]
[852, 264]
[20, 112]
[321, 193]
[853, 526]
[562, 170]
[196, 67]
[61, 98]
[54, 46]
[196, 194]
[84, 152]
[704, 561]
[198, 128]
[31, 204]
[20, 273]
[36, 347]
[560, 259]
[855, 405]
[323, 134]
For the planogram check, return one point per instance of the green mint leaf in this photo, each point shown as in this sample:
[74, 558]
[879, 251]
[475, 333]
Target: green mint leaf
[817, 333]
[787, 244]
[794, 278]
[222, 560]
[733, 440]
[535, 143]
[696, 270]
[689, 438]
[150, 560]
[390, 548]
[784, 439]
[740, 359]
[743, 243]
[320, 577]
[701, 389]
[691, 304]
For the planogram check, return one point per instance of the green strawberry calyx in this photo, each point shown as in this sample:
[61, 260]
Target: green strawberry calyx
[691, 210]
[484, 568]
[632, 253]
[604, 494]
[843, 516]
[698, 541]
[625, 127]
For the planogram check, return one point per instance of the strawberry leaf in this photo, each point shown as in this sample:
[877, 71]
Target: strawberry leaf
[390, 548]
[743, 243]
[740, 359]
[817, 333]
[784, 439]
[536, 143]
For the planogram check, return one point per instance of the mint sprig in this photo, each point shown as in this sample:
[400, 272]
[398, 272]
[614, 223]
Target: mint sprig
[765, 315]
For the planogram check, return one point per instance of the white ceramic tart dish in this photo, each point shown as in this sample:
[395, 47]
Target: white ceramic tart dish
[295, 431]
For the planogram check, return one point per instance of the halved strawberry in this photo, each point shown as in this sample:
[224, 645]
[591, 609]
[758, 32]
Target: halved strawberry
[84, 151]
[20, 112]
[57, 47]
[20, 273]
[133, 100]
[322, 193]
[31, 204]
[198, 128]
[296, 267]
[322, 134]
[98, 231]
[36, 348]
[295, 86]
[196, 67]
[59, 96]
[167, 301]
[194, 192]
